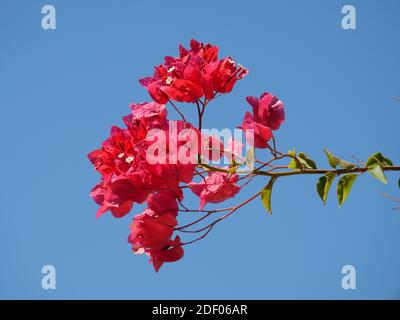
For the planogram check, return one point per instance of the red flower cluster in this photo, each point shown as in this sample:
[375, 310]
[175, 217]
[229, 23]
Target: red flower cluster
[268, 115]
[215, 188]
[151, 231]
[128, 173]
[128, 178]
[196, 73]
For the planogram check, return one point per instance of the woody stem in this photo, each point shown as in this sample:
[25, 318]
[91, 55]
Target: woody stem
[231, 211]
[321, 171]
[275, 175]
[177, 110]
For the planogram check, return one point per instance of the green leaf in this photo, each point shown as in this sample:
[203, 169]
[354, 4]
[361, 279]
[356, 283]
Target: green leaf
[380, 159]
[292, 152]
[346, 165]
[344, 186]
[301, 159]
[376, 171]
[250, 158]
[266, 195]
[324, 184]
[334, 161]
[306, 161]
[293, 163]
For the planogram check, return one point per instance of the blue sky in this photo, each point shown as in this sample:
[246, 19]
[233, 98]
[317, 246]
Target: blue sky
[61, 91]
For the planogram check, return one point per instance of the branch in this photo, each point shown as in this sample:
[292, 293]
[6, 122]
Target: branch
[232, 210]
[321, 171]
[177, 110]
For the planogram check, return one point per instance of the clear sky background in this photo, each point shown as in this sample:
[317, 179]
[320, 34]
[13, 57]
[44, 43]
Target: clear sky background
[61, 91]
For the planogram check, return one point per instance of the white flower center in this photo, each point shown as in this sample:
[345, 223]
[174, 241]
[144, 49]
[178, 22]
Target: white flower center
[139, 251]
[129, 159]
[168, 80]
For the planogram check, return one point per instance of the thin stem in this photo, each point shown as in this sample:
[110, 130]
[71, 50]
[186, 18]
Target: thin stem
[177, 110]
[249, 179]
[322, 171]
[200, 111]
[235, 208]
[199, 238]
[201, 211]
[193, 223]
[200, 174]
[209, 212]
[391, 198]
[183, 206]
[358, 160]
[274, 145]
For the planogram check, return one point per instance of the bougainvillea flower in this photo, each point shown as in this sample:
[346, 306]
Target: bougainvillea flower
[143, 118]
[168, 83]
[163, 202]
[215, 188]
[152, 230]
[268, 115]
[127, 189]
[100, 195]
[170, 253]
[154, 227]
[154, 114]
[197, 72]
[226, 75]
[118, 195]
[207, 52]
[102, 161]
[257, 134]
[113, 153]
[153, 86]
[127, 174]
[268, 110]
[170, 154]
